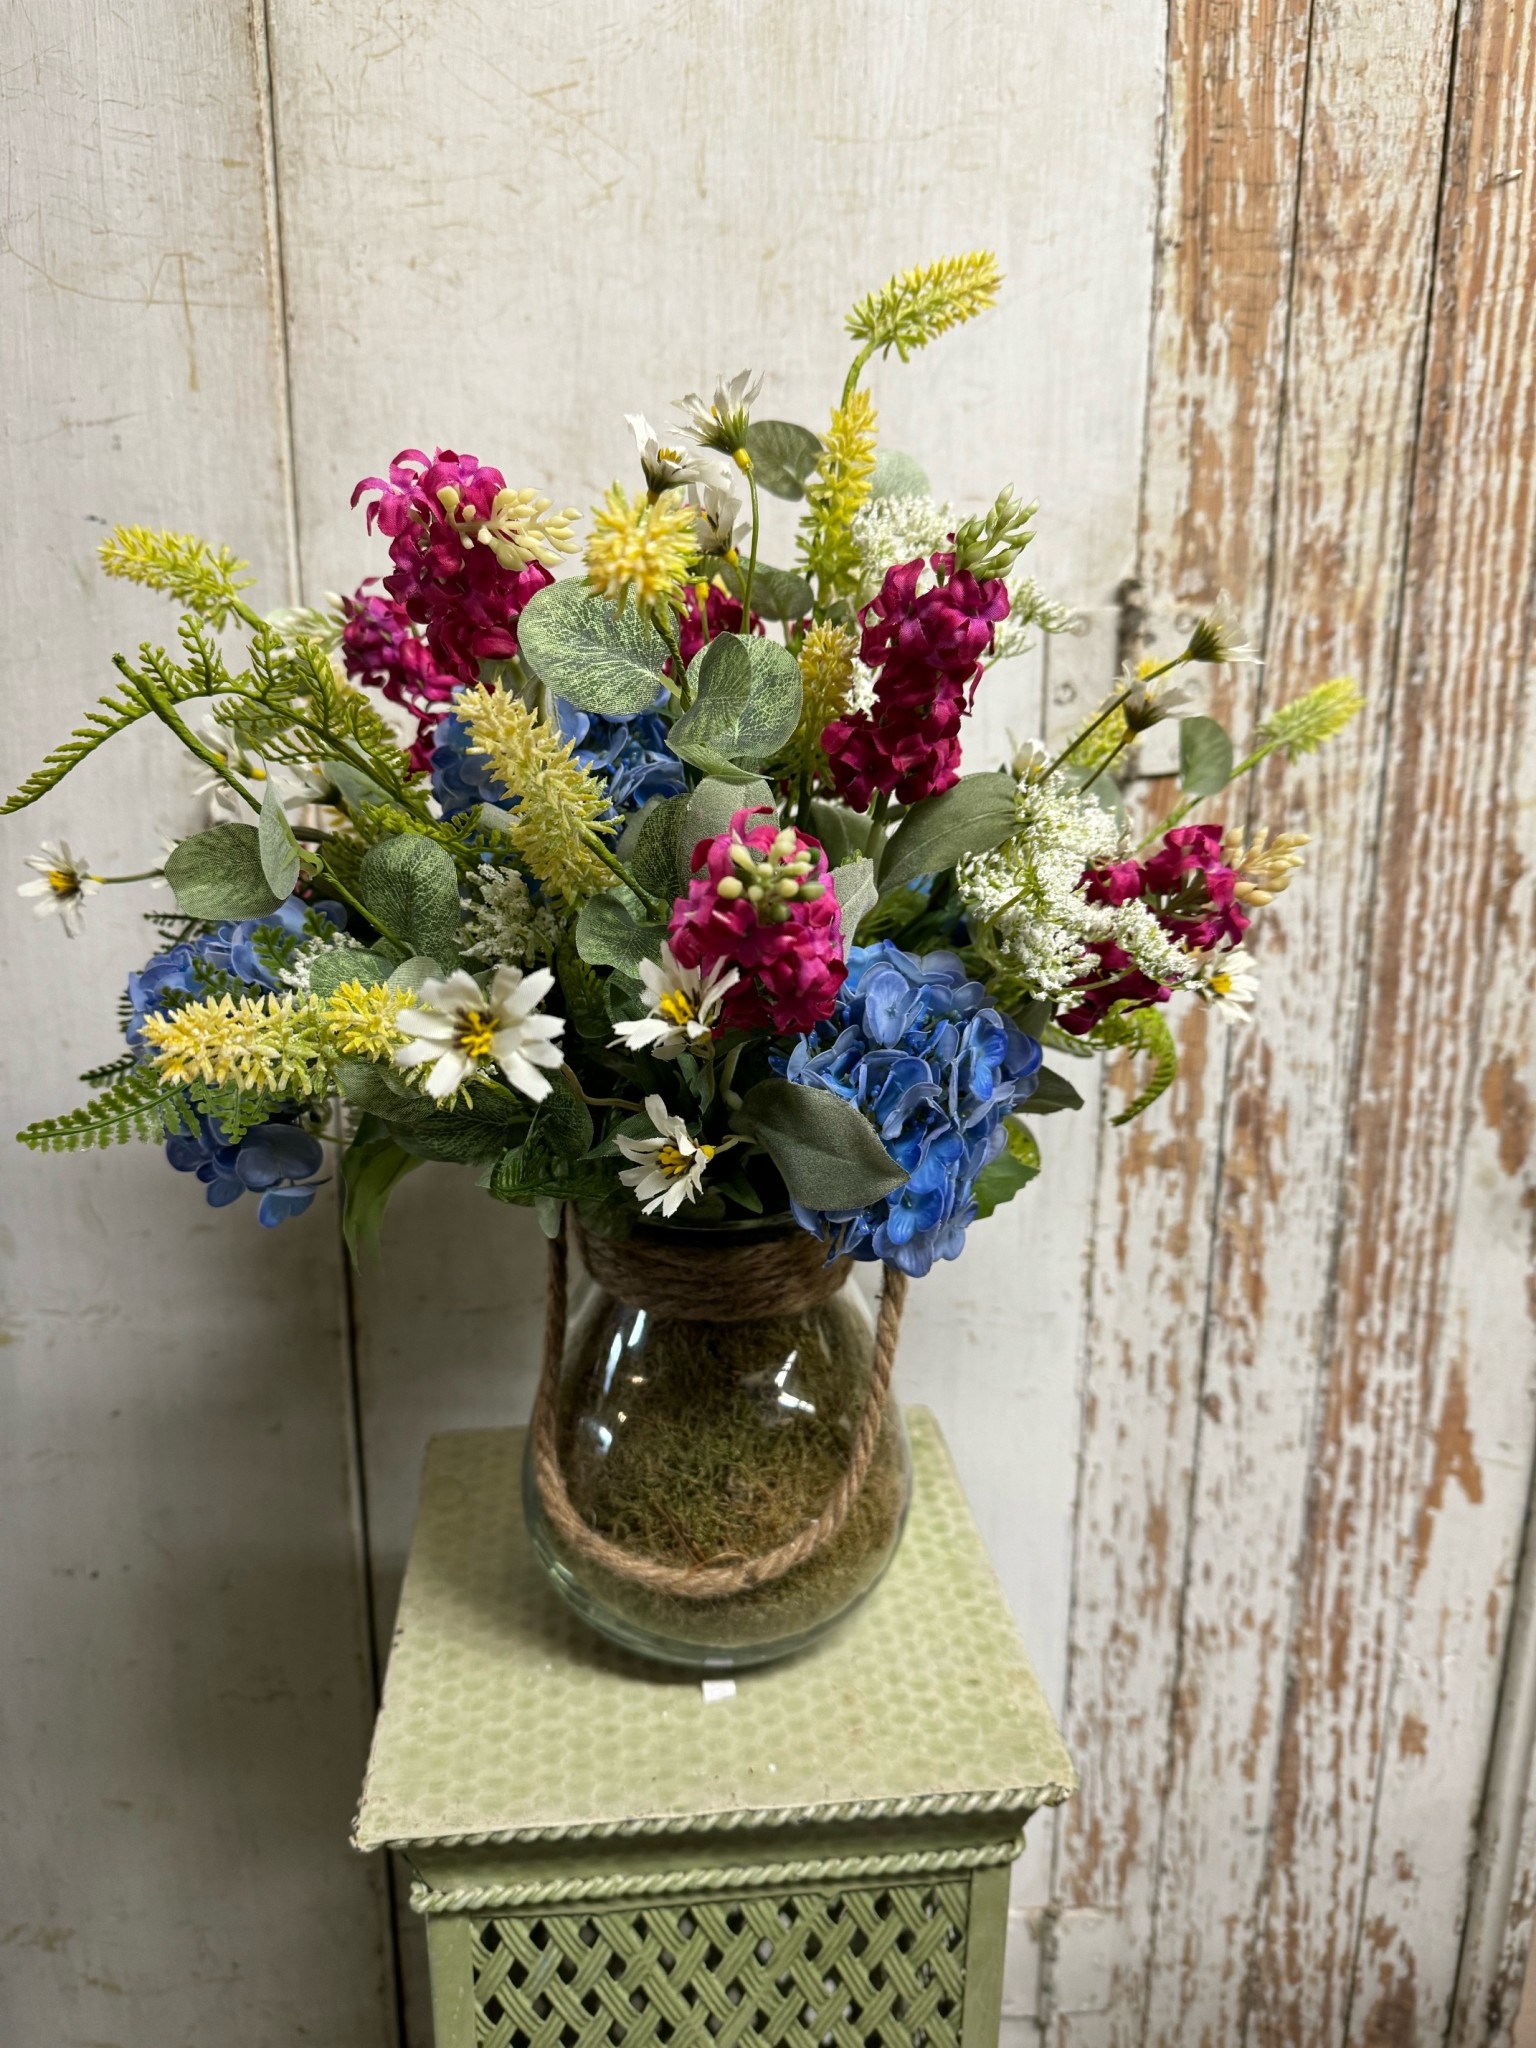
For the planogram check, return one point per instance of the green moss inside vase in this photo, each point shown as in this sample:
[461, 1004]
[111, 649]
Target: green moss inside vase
[698, 1444]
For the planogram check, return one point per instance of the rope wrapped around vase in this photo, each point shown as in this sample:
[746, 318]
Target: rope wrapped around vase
[759, 1280]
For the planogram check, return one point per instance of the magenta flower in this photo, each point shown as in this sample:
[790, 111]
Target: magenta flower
[722, 614]
[1193, 890]
[382, 649]
[765, 905]
[459, 591]
[926, 649]
[1113, 978]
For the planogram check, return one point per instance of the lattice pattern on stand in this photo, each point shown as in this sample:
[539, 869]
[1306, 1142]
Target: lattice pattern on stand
[854, 1969]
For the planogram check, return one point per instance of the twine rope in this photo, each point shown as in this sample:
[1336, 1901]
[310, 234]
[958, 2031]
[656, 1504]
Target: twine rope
[745, 1284]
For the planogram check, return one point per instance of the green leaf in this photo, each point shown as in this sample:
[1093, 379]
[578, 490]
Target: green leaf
[584, 650]
[411, 885]
[1205, 757]
[710, 810]
[828, 1153]
[333, 969]
[582, 991]
[460, 1137]
[651, 844]
[352, 785]
[776, 593]
[843, 833]
[278, 847]
[607, 936]
[854, 886]
[219, 874]
[413, 974]
[783, 456]
[549, 1210]
[140, 1105]
[1013, 1168]
[1052, 1092]
[898, 476]
[978, 813]
[380, 1092]
[562, 1124]
[1032, 1018]
[746, 703]
[370, 1172]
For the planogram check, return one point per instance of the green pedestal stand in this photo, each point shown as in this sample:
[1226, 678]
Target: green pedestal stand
[612, 1856]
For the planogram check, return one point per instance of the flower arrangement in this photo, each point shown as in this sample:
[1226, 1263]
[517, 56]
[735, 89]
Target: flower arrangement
[659, 887]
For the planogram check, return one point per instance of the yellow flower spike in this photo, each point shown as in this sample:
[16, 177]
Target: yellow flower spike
[270, 1045]
[559, 804]
[916, 306]
[640, 548]
[826, 677]
[360, 1019]
[839, 492]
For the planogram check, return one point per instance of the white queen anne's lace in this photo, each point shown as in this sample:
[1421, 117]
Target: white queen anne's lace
[1028, 893]
[506, 924]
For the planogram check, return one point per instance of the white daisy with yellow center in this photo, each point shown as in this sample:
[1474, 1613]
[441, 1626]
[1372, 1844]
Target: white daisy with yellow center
[461, 1028]
[681, 1006]
[62, 886]
[1227, 980]
[668, 1169]
[666, 463]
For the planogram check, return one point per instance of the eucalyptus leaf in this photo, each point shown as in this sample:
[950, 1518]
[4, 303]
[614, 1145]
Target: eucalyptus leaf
[411, 885]
[219, 874]
[828, 1154]
[607, 936]
[1205, 757]
[549, 1211]
[783, 456]
[279, 849]
[652, 844]
[776, 593]
[843, 833]
[585, 650]
[334, 968]
[898, 476]
[352, 784]
[412, 974]
[710, 810]
[746, 703]
[976, 814]
[371, 1087]
[854, 885]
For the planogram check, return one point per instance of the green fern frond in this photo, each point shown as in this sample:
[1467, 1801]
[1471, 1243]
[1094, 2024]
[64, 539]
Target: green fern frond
[235, 1111]
[141, 1105]
[1302, 726]
[916, 306]
[1136, 1032]
[200, 578]
[110, 1070]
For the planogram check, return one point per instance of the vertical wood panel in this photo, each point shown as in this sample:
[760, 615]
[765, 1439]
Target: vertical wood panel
[1230, 156]
[1434, 1342]
[185, 1696]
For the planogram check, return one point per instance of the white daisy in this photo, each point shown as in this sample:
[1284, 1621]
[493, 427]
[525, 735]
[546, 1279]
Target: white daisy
[1228, 981]
[716, 510]
[62, 887]
[669, 1168]
[1214, 637]
[1148, 700]
[666, 463]
[682, 1003]
[459, 1028]
[721, 422]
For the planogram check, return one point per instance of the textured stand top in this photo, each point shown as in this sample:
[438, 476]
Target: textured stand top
[505, 1719]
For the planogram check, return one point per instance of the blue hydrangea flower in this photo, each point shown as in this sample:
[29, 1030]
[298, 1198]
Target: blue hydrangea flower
[232, 952]
[630, 753]
[275, 1160]
[916, 1047]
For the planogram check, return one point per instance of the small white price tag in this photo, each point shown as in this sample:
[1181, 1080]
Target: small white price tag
[717, 1689]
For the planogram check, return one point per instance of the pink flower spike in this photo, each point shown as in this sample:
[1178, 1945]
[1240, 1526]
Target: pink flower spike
[765, 905]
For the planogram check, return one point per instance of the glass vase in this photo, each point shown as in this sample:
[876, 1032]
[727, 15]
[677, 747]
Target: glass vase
[723, 1477]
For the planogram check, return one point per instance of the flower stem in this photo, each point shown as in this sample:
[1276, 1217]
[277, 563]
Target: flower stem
[664, 627]
[601, 1101]
[145, 690]
[611, 860]
[149, 875]
[1113, 755]
[1087, 732]
[1182, 810]
[856, 371]
[875, 845]
[746, 588]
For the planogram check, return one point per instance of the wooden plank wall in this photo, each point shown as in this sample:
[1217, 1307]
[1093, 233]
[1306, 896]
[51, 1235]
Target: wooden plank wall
[1246, 1395]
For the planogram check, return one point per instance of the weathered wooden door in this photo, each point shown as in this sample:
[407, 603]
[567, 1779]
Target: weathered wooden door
[1245, 1394]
